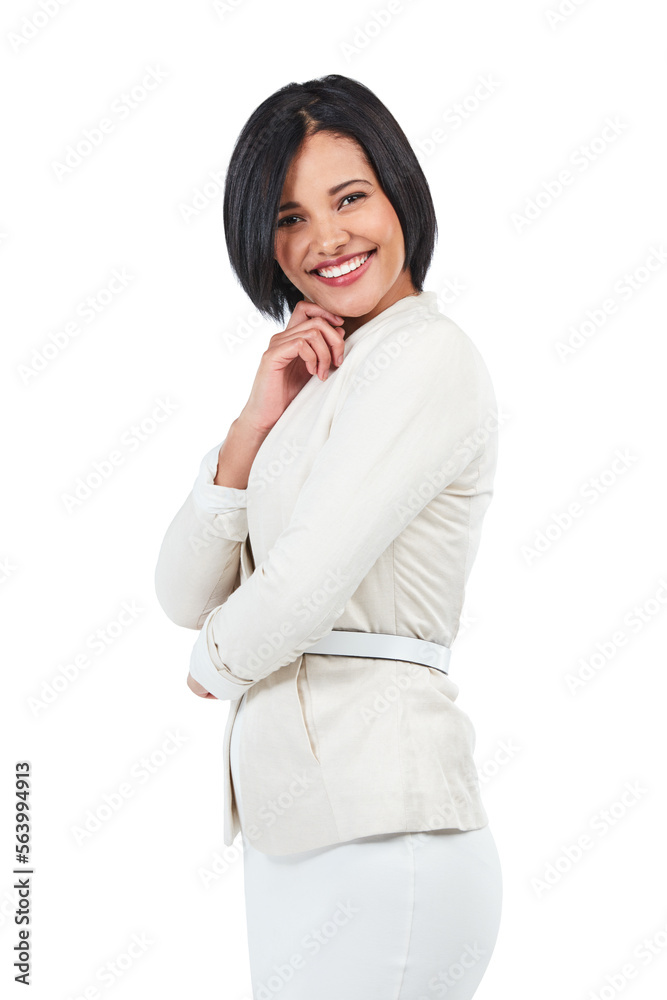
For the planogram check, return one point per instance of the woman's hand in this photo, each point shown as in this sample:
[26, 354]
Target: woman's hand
[198, 689]
[310, 343]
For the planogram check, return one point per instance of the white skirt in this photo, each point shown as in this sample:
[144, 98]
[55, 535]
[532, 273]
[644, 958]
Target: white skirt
[402, 916]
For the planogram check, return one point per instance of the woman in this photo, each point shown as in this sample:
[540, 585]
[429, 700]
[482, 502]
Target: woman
[323, 554]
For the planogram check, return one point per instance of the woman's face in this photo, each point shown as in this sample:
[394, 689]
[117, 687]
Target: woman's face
[332, 206]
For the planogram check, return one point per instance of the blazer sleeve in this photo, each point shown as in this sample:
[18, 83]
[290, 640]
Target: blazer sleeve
[403, 433]
[198, 563]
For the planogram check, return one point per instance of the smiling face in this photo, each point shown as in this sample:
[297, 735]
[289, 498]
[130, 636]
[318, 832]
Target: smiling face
[333, 206]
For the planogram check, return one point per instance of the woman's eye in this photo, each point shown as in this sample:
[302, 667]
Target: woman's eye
[287, 220]
[360, 194]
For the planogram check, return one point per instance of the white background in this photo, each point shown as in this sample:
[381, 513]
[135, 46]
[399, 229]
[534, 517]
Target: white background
[531, 617]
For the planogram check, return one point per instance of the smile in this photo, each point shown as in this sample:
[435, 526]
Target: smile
[347, 272]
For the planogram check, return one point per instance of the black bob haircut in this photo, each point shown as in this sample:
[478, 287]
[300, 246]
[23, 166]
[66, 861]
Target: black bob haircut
[261, 158]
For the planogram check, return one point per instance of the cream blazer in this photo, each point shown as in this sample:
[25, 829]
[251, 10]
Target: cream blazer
[363, 511]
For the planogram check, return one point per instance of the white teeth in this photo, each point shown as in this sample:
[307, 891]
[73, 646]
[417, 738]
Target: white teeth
[344, 268]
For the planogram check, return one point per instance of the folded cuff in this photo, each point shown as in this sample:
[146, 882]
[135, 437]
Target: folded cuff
[221, 683]
[228, 502]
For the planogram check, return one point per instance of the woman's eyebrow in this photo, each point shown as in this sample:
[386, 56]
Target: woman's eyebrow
[332, 191]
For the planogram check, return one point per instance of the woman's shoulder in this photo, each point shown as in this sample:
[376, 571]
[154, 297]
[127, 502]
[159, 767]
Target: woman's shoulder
[424, 331]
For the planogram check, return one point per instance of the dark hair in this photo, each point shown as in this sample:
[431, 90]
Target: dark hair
[261, 158]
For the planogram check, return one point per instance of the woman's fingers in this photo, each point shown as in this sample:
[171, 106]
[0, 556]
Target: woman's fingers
[305, 309]
[309, 345]
[315, 353]
[306, 315]
[324, 339]
[309, 355]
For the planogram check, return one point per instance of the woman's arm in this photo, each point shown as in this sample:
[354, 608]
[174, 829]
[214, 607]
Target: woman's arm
[399, 438]
[198, 564]
[237, 453]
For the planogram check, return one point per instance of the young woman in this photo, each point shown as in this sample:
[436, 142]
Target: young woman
[323, 554]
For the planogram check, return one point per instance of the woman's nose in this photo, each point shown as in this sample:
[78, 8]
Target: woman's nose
[328, 237]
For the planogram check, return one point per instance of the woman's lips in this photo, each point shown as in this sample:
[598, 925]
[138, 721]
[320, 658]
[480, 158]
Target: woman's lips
[347, 279]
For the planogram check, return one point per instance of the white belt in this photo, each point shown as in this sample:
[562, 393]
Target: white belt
[385, 647]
